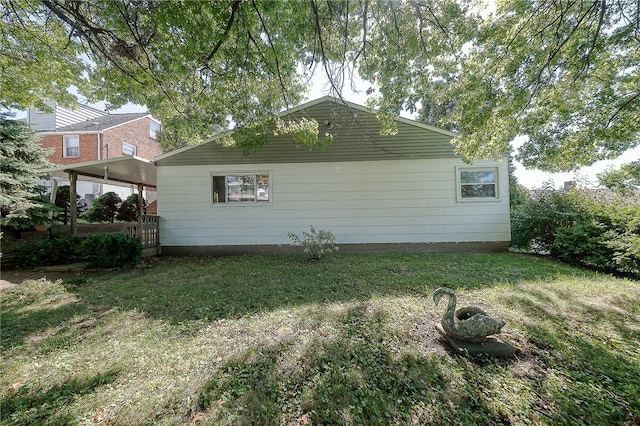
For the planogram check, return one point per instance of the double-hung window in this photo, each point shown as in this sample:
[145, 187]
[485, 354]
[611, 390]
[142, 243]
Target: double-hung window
[477, 183]
[240, 188]
[128, 149]
[154, 128]
[71, 146]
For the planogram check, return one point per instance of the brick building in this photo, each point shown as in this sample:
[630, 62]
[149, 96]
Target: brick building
[99, 138]
[87, 134]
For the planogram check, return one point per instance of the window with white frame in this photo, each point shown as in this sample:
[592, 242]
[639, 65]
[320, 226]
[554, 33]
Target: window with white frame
[128, 149]
[154, 128]
[477, 183]
[240, 188]
[71, 146]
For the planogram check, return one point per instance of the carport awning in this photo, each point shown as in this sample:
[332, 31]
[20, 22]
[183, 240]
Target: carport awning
[129, 170]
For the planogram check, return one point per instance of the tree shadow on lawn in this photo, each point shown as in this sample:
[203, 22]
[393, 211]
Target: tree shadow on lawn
[209, 289]
[25, 405]
[596, 373]
[364, 375]
[201, 289]
[359, 376]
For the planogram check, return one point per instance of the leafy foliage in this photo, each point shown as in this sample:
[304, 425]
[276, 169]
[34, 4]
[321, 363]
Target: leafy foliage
[625, 180]
[31, 71]
[110, 250]
[562, 74]
[581, 228]
[128, 211]
[55, 251]
[315, 244]
[104, 208]
[518, 193]
[63, 202]
[20, 158]
[584, 244]
[303, 131]
[535, 222]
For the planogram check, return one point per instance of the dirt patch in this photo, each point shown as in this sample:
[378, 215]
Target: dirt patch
[13, 277]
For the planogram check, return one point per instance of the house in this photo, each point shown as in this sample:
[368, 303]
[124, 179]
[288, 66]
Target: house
[407, 191]
[107, 136]
[87, 134]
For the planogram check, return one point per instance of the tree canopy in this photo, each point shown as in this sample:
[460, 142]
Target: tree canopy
[564, 74]
[625, 179]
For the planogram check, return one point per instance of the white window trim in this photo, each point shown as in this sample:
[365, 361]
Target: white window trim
[459, 197]
[64, 146]
[135, 148]
[153, 134]
[243, 173]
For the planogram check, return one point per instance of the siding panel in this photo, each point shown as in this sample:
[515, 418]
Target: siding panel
[360, 202]
[356, 137]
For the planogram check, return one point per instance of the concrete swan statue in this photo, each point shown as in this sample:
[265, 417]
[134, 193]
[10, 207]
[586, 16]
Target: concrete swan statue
[469, 324]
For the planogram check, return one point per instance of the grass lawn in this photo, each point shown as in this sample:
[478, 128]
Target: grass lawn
[349, 340]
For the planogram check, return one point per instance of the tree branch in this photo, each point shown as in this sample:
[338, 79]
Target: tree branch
[234, 9]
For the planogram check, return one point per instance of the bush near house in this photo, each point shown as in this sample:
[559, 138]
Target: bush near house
[315, 244]
[110, 250]
[104, 208]
[54, 251]
[128, 211]
[99, 250]
[600, 230]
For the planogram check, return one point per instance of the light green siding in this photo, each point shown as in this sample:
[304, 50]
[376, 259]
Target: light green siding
[356, 138]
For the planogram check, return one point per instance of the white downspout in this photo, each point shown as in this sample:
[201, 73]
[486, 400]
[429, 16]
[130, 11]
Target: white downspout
[100, 155]
[99, 146]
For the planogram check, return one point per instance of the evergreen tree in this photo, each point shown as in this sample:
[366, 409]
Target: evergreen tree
[21, 156]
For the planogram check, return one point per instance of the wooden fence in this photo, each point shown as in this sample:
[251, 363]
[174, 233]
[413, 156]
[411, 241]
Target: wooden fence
[148, 230]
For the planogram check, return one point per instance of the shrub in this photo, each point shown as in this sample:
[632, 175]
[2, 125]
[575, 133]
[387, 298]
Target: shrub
[55, 251]
[580, 227]
[104, 208]
[534, 222]
[315, 244]
[623, 236]
[128, 211]
[583, 244]
[110, 250]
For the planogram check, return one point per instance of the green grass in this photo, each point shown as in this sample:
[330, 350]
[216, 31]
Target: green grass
[349, 340]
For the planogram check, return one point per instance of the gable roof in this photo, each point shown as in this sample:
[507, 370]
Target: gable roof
[356, 137]
[99, 124]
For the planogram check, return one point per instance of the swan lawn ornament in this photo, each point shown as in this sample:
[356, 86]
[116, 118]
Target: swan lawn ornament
[470, 324]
